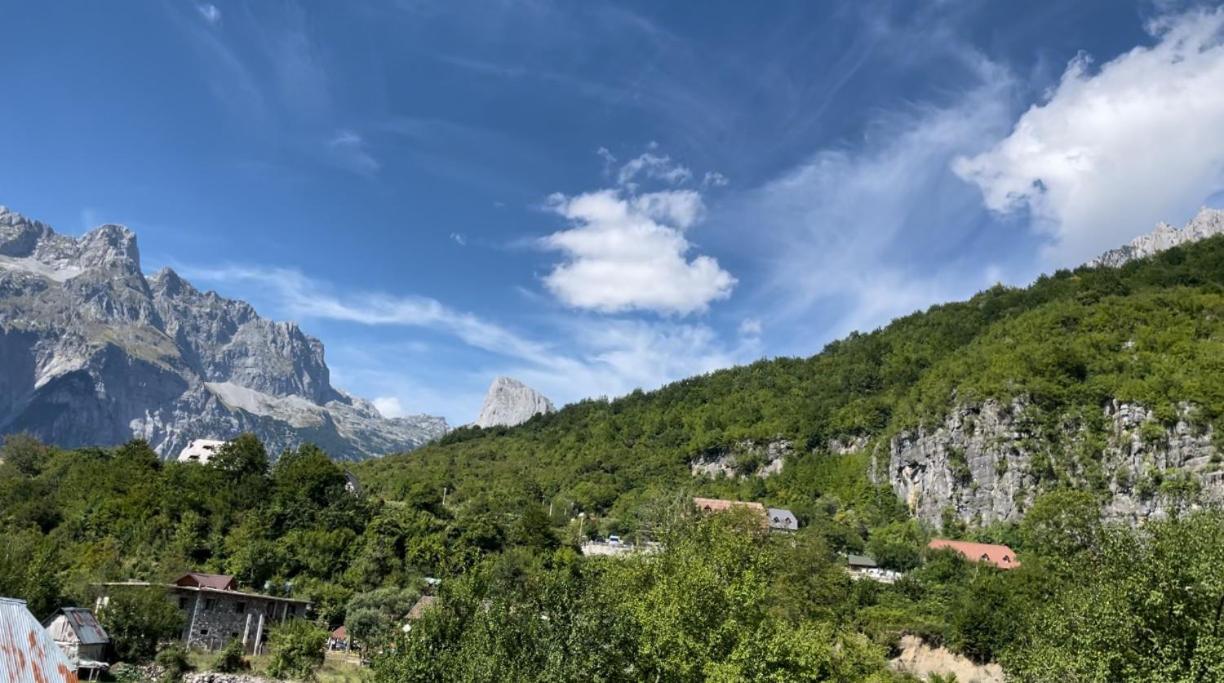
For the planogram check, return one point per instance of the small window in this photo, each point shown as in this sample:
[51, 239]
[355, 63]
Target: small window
[203, 631]
[240, 607]
[209, 603]
[233, 634]
[184, 601]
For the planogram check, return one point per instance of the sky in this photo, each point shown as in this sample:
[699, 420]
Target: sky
[598, 197]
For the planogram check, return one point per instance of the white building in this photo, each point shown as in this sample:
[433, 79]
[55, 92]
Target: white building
[200, 451]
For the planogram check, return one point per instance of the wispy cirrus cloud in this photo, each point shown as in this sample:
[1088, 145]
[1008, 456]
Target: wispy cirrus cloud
[607, 357]
[209, 12]
[854, 237]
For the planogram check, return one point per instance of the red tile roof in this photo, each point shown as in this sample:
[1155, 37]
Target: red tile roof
[220, 582]
[340, 633]
[999, 555]
[720, 505]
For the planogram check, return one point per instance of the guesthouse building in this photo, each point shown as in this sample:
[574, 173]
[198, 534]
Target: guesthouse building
[215, 612]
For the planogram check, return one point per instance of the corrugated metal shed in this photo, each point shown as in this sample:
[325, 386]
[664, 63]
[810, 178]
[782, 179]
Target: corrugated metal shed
[27, 652]
[84, 626]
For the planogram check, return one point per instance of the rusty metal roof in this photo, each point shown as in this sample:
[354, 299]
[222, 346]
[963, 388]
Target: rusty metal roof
[27, 653]
[83, 624]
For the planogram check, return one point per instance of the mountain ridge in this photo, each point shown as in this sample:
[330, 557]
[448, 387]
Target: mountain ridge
[98, 353]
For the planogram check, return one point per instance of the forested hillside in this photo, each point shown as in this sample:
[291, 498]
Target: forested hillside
[1150, 333]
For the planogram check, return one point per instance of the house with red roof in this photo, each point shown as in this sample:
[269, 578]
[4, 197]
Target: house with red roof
[1000, 556]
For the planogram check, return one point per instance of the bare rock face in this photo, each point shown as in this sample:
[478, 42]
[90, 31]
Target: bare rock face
[509, 402]
[93, 352]
[986, 463]
[1208, 223]
[745, 458]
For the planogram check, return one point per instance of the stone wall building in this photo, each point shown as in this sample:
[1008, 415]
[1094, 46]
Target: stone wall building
[216, 612]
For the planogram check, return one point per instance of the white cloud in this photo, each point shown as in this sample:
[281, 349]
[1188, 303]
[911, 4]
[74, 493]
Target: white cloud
[210, 12]
[628, 252]
[350, 151]
[651, 166]
[603, 357]
[459, 239]
[1114, 150]
[715, 179]
[389, 406]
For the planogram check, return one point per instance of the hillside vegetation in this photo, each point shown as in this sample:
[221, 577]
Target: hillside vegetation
[1151, 332]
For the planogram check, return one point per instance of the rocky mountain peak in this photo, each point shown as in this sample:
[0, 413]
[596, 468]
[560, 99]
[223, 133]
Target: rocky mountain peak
[1206, 223]
[509, 402]
[94, 353]
[109, 247]
[166, 282]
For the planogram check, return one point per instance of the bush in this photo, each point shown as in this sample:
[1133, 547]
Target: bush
[230, 660]
[174, 663]
[297, 650]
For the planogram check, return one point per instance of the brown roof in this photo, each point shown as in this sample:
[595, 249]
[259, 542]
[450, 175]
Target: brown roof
[999, 555]
[720, 505]
[220, 582]
[421, 605]
[27, 652]
[340, 633]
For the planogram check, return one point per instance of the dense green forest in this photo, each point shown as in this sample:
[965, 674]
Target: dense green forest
[498, 514]
[1151, 332]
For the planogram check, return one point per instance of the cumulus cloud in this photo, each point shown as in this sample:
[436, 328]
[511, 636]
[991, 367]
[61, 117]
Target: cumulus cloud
[652, 166]
[628, 252]
[1114, 150]
[715, 179]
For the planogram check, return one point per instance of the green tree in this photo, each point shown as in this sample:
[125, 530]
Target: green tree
[1062, 524]
[897, 545]
[137, 620]
[296, 650]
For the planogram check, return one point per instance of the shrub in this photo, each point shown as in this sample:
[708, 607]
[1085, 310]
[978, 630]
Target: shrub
[174, 663]
[230, 660]
[297, 650]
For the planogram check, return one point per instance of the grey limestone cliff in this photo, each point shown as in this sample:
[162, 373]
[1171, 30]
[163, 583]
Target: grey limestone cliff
[93, 352]
[986, 463]
[509, 402]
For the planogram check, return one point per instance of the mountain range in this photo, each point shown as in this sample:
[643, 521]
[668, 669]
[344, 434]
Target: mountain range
[94, 352]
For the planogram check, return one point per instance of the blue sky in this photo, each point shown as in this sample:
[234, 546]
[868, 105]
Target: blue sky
[598, 197]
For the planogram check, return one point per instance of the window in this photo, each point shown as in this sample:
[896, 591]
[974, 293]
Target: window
[184, 601]
[240, 607]
[209, 603]
[203, 631]
[292, 609]
[233, 634]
